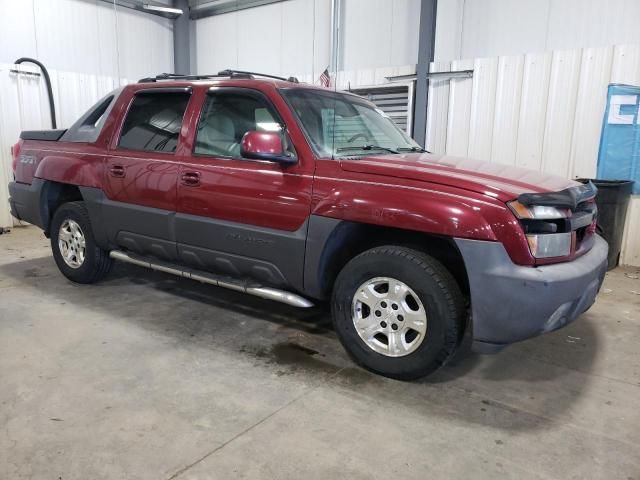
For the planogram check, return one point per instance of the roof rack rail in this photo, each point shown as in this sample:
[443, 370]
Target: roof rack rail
[237, 73]
[228, 73]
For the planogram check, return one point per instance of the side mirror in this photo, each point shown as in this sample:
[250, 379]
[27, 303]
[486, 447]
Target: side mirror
[265, 146]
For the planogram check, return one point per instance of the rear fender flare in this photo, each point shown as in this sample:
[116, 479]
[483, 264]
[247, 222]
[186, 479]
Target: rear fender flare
[80, 171]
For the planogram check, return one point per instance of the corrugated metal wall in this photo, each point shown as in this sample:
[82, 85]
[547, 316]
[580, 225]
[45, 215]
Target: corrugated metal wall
[24, 106]
[541, 111]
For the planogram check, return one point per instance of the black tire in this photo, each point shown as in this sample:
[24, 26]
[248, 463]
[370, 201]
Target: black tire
[433, 284]
[97, 263]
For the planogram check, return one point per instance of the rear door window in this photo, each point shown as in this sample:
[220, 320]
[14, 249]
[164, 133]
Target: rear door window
[154, 121]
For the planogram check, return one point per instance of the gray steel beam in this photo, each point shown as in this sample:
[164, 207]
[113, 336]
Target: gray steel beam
[218, 7]
[426, 46]
[182, 40]
[148, 7]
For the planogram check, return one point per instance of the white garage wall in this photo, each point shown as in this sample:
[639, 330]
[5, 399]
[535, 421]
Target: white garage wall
[293, 37]
[541, 111]
[24, 106]
[285, 38]
[379, 33]
[86, 36]
[488, 28]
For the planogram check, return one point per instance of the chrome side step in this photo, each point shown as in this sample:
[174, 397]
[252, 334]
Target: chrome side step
[263, 292]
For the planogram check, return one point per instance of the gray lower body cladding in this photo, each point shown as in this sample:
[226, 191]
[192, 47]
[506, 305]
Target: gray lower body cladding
[269, 256]
[25, 201]
[510, 303]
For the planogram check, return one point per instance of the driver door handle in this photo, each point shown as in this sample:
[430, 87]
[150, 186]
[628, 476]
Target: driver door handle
[190, 179]
[117, 171]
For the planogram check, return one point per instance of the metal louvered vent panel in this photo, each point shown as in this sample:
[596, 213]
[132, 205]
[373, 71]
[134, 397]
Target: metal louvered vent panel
[394, 101]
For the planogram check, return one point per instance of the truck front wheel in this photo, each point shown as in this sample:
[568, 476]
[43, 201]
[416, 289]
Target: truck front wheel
[398, 312]
[74, 249]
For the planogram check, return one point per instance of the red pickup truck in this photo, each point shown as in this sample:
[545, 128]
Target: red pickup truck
[302, 194]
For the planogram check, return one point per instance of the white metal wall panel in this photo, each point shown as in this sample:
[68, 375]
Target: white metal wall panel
[483, 102]
[145, 44]
[626, 64]
[405, 23]
[595, 68]
[17, 38]
[448, 37]
[239, 39]
[438, 109]
[507, 111]
[630, 254]
[106, 31]
[488, 28]
[533, 110]
[216, 46]
[86, 36]
[297, 38]
[366, 33]
[375, 33]
[259, 48]
[459, 112]
[561, 107]
[74, 47]
[502, 27]
[379, 32]
[591, 23]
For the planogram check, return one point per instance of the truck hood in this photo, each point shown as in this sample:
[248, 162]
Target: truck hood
[504, 182]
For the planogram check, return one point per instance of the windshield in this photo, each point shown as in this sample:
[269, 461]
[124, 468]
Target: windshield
[340, 125]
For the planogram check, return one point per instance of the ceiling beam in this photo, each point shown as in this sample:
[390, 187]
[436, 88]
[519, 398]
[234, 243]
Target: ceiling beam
[148, 7]
[218, 7]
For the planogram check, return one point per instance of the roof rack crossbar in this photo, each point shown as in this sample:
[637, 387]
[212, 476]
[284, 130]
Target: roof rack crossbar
[228, 73]
[175, 76]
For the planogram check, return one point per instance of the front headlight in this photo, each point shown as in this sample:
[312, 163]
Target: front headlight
[538, 212]
[541, 224]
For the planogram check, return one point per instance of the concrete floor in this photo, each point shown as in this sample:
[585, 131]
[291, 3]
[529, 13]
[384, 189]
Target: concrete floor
[146, 376]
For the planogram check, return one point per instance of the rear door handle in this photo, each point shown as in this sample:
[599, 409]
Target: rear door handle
[190, 179]
[117, 171]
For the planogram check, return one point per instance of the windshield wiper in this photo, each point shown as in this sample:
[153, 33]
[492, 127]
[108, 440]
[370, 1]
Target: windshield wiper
[366, 147]
[413, 149]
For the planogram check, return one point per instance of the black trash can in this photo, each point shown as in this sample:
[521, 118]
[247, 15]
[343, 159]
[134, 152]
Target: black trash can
[612, 200]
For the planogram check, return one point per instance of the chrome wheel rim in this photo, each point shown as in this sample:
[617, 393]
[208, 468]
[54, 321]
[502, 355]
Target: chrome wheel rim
[72, 243]
[389, 316]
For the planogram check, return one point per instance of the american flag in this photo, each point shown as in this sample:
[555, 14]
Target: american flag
[325, 78]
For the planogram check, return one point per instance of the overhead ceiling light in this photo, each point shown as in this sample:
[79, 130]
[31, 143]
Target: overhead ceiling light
[167, 10]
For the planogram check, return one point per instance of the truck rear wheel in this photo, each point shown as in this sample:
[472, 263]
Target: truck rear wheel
[74, 248]
[398, 312]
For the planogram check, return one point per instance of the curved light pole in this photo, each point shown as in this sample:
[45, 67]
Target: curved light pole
[47, 80]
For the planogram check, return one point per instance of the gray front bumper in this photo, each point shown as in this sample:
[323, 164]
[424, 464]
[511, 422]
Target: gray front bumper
[510, 303]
